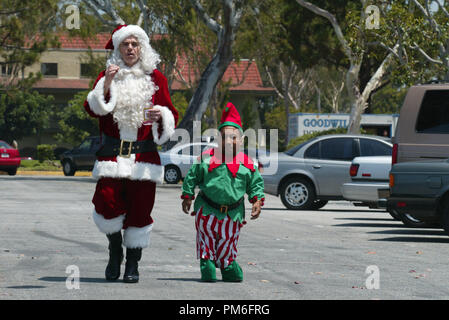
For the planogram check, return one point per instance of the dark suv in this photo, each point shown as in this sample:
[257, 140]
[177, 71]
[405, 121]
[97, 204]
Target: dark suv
[81, 157]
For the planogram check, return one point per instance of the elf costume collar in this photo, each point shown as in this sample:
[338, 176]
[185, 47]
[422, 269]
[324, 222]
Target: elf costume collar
[233, 167]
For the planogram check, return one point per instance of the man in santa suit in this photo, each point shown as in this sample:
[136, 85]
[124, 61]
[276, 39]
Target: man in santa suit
[128, 164]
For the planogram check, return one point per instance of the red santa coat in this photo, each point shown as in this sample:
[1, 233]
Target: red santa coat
[141, 166]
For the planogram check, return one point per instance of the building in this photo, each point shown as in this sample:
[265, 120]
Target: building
[65, 73]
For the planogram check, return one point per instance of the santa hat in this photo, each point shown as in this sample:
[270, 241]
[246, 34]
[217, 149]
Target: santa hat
[230, 117]
[122, 32]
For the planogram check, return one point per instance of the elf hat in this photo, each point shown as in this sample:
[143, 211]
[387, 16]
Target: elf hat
[123, 31]
[230, 117]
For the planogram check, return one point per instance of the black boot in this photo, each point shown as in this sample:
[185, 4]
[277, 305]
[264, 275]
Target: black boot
[132, 258]
[115, 256]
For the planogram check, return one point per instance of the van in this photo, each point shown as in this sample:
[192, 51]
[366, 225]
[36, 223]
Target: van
[422, 131]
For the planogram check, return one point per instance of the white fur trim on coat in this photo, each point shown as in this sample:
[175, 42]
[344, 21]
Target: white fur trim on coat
[96, 100]
[134, 237]
[125, 32]
[108, 226]
[129, 169]
[168, 125]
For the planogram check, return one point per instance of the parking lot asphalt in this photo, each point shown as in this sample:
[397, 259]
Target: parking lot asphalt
[48, 238]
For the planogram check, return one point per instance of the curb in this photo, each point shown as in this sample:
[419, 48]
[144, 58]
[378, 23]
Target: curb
[78, 176]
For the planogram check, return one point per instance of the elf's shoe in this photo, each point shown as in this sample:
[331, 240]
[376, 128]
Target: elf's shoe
[207, 268]
[112, 271]
[232, 273]
[132, 258]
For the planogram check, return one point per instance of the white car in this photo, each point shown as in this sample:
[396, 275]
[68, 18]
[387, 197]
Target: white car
[178, 160]
[368, 176]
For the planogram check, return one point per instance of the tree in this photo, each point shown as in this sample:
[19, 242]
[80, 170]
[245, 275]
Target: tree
[355, 47]
[25, 32]
[24, 113]
[74, 122]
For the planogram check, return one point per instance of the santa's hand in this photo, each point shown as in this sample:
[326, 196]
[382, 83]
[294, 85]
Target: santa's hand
[110, 72]
[186, 204]
[255, 212]
[154, 115]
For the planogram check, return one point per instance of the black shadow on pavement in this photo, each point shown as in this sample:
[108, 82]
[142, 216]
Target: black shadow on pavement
[369, 225]
[181, 279]
[414, 232]
[26, 287]
[367, 219]
[86, 280]
[414, 239]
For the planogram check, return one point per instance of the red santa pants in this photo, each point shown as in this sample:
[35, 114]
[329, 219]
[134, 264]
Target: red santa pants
[132, 198]
[216, 239]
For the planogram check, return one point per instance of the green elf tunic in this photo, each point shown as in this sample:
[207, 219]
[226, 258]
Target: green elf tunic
[224, 183]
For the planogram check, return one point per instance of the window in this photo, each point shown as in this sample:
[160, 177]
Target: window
[85, 145]
[434, 114]
[369, 147]
[4, 145]
[342, 149]
[6, 70]
[85, 69]
[49, 69]
[313, 152]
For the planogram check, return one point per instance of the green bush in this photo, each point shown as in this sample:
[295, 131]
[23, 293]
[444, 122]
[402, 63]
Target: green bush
[45, 152]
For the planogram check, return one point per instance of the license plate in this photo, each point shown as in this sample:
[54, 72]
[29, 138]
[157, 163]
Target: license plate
[5, 155]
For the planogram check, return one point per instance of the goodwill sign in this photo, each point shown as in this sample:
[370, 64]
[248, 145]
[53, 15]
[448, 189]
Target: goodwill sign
[304, 123]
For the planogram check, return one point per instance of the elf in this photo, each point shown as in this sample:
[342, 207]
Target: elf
[223, 175]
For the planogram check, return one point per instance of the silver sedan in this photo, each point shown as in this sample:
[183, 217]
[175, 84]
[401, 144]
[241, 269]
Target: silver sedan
[178, 160]
[313, 172]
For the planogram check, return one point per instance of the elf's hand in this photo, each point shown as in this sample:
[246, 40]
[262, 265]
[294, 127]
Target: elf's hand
[255, 212]
[186, 204]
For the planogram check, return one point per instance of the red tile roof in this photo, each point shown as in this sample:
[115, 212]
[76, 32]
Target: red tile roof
[244, 75]
[55, 83]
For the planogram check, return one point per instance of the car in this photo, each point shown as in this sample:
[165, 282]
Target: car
[368, 175]
[419, 193]
[423, 124]
[81, 157]
[9, 158]
[178, 160]
[310, 174]
[369, 185]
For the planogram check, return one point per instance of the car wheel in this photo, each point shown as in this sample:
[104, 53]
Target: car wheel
[68, 168]
[412, 222]
[318, 204]
[297, 194]
[12, 172]
[394, 214]
[172, 174]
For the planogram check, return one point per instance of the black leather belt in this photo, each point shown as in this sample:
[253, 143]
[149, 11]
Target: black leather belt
[111, 147]
[223, 208]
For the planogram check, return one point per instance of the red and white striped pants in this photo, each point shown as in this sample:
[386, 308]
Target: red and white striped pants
[216, 240]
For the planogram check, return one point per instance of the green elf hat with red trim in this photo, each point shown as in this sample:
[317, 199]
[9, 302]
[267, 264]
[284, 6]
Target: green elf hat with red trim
[230, 117]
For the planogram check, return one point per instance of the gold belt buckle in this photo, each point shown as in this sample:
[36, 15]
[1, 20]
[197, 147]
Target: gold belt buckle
[223, 207]
[129, 149]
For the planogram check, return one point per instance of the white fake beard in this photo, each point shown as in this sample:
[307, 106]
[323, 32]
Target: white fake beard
[134, 91]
